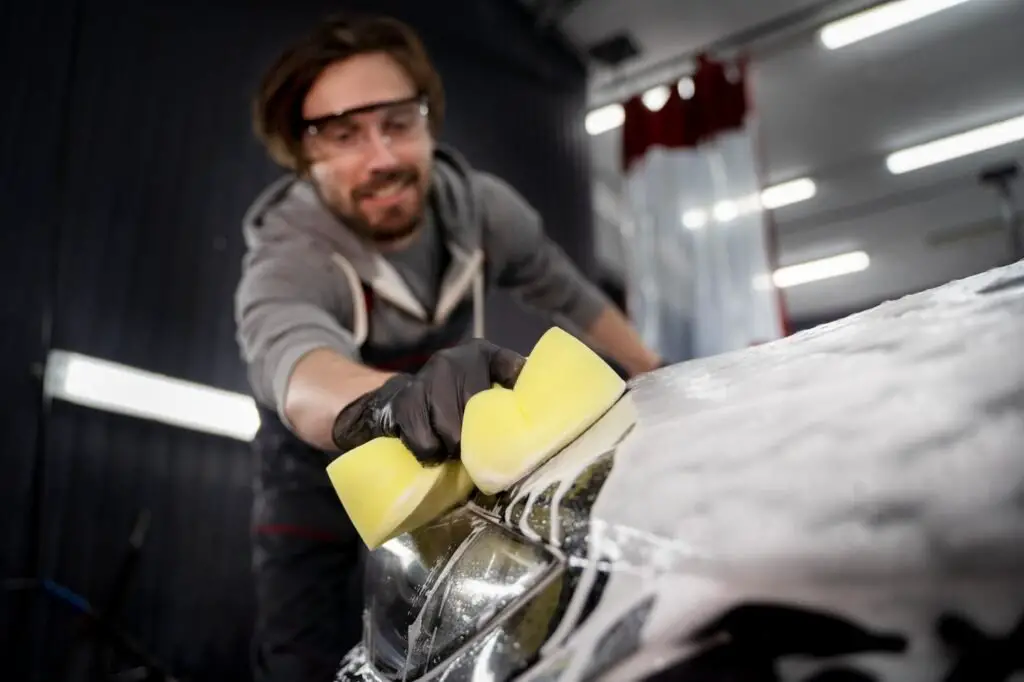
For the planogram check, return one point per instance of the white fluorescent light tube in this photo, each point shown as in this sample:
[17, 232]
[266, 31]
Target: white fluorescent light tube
[776, 196]
[787, 193]
[725, 211]
[956, 146]
[604, 119]
[880, 19]
[113, 387]
[695, 219]
[826, 268]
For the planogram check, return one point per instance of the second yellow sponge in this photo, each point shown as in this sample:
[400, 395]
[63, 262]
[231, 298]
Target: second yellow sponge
[563, 389]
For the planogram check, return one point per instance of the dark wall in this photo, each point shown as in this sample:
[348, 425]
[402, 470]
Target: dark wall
[127, 163]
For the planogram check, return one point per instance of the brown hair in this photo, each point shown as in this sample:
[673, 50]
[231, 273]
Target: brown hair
[277, 108]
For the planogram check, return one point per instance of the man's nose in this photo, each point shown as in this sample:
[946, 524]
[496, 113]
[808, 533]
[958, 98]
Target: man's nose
[379, 150]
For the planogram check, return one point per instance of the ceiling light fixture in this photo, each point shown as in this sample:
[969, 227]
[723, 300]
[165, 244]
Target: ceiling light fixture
[686, 87]
[726, 211]
[776, 196]
[872, 22]
[956, 146]
[695, 219]
[113, 387]
[606, 118]
[786, 193]
[655, 98]
[825, 268]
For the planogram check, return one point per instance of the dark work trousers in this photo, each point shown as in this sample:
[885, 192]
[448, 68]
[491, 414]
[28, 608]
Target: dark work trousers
[307, 561]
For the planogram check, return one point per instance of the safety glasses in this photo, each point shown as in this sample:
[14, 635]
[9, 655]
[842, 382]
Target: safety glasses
[351, 133]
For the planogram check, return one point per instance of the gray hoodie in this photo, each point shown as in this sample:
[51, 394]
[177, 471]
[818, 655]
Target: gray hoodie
[307, 279]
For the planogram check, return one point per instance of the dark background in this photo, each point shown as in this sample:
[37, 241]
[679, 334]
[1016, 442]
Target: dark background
[127, 164]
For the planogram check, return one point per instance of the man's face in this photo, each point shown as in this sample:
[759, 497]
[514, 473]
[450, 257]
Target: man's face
[371, 149]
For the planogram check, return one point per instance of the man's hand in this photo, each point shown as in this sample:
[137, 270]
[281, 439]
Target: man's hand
[425, 409]
[612, 334]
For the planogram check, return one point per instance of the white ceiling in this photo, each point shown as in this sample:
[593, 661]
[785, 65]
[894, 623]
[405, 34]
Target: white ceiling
[834, 116]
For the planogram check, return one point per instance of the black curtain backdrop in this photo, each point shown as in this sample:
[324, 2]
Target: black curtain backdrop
[126, 163]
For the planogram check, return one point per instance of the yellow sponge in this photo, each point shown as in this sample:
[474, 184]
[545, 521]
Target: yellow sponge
[563, 389]
[387, 492]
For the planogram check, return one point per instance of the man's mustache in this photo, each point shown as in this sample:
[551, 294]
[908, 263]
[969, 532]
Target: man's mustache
[381, 179]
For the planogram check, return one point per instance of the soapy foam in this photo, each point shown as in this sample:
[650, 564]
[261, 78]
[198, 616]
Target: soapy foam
[569, 464]
[871, 467]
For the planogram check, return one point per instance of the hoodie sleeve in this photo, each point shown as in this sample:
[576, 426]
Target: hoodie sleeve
[290, 301]
[527, 262]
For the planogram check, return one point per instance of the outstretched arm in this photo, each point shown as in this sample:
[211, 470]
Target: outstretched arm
[538, 273]
[322, 384]
[302, 362]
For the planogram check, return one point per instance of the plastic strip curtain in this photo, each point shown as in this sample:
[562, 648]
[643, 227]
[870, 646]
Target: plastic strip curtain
[696, 249]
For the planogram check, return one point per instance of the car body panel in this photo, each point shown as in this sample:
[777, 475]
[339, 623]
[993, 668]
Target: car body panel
[846, 501]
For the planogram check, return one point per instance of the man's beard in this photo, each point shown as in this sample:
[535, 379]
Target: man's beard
[391, 226]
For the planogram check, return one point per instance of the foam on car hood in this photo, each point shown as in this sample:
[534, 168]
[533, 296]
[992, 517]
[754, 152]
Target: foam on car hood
[871, 469]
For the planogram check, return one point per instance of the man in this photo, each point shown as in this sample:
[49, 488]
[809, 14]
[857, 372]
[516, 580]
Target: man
[361, 294]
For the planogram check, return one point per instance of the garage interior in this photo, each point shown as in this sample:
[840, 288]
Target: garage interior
[129, 161]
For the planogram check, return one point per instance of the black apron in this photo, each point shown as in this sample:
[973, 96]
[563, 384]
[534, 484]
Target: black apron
[307, 555]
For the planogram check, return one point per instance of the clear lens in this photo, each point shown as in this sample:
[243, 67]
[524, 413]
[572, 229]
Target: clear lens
[352, 133]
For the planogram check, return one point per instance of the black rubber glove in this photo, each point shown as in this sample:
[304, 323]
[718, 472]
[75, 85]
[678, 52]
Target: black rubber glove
[425, 409]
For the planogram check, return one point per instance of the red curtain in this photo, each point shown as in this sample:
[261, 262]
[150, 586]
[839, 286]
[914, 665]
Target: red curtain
[718, 104]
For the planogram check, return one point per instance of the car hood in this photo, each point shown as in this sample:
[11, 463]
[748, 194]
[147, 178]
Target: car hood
[869, 470]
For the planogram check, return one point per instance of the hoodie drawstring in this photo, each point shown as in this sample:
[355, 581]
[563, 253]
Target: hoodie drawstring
[360, 315]
[360, 311]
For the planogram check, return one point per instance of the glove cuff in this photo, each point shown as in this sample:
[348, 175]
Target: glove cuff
[368, 416]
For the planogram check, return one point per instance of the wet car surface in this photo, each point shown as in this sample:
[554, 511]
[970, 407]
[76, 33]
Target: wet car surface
[843, 505]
